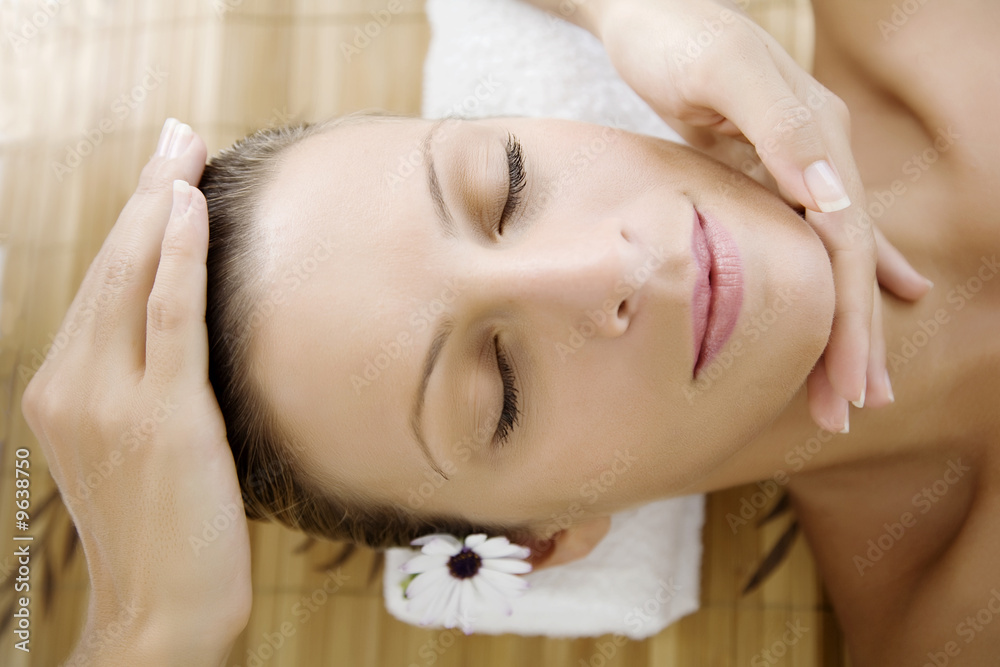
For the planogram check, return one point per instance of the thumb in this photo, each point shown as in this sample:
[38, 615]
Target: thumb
[176, 337]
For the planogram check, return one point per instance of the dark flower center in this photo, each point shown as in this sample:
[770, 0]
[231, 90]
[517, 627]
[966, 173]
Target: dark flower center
[465, 563]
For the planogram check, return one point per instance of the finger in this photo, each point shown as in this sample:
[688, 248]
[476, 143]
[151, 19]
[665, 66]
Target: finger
[852, 257]
[879, 391]
[132, 249]
[896, 274]
[176, 337]
[784, 130]
[828, 409]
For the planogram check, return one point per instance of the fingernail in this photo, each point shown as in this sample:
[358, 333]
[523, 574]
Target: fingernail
[930, 284]
[825, 187]
[180, 141]
[165, 135]
[847, 419]
[860, 403]
[888, 385]
[182, 199]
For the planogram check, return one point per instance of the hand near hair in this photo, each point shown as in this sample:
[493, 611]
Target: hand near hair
[721, 80]
[134, 438]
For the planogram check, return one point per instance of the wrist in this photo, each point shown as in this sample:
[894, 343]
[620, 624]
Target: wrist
[132, 637]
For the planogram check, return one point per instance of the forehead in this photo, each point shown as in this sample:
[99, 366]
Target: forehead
[349, 254]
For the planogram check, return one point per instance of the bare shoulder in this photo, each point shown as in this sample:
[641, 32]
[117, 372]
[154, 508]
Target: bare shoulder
[908, 547]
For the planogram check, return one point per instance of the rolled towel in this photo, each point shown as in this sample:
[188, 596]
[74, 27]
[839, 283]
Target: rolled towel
[641, 577]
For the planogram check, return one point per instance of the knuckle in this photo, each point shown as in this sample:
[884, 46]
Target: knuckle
[31, 402]
[164, 313]
[175, 245]
[118, 273]
[790, 117]
[841, 111]
[153, 179]
[48, 405]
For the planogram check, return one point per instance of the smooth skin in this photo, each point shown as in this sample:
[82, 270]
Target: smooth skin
[739, 83]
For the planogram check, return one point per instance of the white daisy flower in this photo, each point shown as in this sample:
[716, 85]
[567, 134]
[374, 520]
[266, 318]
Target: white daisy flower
[455, 580]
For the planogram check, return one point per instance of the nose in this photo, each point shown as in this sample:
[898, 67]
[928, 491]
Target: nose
[587, 275]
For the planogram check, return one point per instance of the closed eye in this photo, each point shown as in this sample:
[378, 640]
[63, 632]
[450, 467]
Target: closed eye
[516, 182]
[510, 412]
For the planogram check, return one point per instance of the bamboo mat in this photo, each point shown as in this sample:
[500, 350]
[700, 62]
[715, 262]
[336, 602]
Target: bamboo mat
[84, 87]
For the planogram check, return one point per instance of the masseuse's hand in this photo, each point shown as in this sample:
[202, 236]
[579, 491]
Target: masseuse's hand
[126, 417]
[707, 65]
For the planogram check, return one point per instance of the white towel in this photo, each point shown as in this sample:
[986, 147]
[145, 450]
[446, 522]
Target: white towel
[505, 57]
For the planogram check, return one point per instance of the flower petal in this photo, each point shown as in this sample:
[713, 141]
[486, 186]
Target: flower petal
[424, 562]
[467, 608]
[446, 545]
[438, 537]
[500, 547]
[511, 565]
[441, 601]
[490, 597]
[475, 540]
[507, 584]
[432, 579]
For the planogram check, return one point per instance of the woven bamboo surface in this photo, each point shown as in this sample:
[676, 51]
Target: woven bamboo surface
[86, 85]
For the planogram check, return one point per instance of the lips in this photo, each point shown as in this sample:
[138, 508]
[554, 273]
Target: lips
[718, 290]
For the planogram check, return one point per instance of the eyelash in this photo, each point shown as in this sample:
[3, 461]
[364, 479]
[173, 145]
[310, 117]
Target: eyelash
[509, 415]
[510, 412]
[515, 170]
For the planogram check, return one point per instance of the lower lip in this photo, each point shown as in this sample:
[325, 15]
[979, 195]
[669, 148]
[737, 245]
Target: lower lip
[718, 292]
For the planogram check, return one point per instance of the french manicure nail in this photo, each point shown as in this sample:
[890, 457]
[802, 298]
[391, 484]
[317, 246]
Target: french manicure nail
[182, 198]
[165, 135]
[847, 420]
[825, 187]
[930, 284]
[181, 139]
[888, 386]
[860, 403]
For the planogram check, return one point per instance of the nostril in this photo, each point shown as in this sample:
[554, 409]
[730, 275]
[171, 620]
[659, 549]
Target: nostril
[622, 308]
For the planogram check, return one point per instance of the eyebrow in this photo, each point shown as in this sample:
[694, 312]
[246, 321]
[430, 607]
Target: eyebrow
[445, 324]
[440, 207]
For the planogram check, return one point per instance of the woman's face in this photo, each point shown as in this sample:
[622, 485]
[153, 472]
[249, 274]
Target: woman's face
[390, 292]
